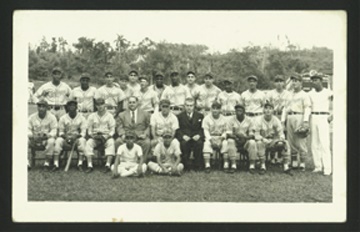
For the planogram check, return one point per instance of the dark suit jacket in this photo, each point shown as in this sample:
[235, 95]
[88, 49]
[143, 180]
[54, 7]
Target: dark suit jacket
[141, 126]
[190, 127]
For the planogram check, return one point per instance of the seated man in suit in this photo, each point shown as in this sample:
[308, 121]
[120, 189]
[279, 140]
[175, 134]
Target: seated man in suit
[136, 120]
[190, 134]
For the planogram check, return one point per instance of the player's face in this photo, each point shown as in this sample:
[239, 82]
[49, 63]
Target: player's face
[56, 76]
[215, 111]
[84, 82]
[175, 80]
[144, 83]
[279, 84]
[100, 107]
[296, 84]
[167, 140]
[209, 81]
[109, 79]
[132, 103]
[228, 87]
[165, 109]
[72, 108]
[316, 83]
[268, 110]
[189, 107]
[239, 112]
[190, 79]
[159, 81]
[252, 83]
[133, 77]
[123, 83]
[129, 140]
[42, 109]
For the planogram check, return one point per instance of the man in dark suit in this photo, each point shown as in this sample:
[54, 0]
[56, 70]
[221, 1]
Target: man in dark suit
[136, 120]
[191, 135]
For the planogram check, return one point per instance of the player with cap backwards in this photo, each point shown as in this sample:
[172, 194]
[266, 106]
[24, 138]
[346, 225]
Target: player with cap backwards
[84, 95]
[228, 98]
[215, 127]
[208, 94]
[167, 153]
[269, 136]
[112, 95]
[133, 84]
[161, 121]
[42, 128]
[129, 159]
[191, 86]
[148, 98]
[296, 113]
[240, 137]
[253, 99]
[321, 99]
[159, 85]
[55, 93]
[278, 97]
[101, 129]
[176, 94]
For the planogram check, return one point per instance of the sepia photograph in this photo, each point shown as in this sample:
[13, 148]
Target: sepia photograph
[179, 116]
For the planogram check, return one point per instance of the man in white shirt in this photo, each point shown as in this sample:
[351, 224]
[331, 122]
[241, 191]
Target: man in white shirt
[84, 95]
[148, 98]
[208, 94]
[133, 84]
[191, 86]
[55, 93]
[297, 113]
[129, 159]
[159, 85]
[228, 98]
[321, 99]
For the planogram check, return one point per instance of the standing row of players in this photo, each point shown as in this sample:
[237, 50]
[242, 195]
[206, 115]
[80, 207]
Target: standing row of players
[228, 128]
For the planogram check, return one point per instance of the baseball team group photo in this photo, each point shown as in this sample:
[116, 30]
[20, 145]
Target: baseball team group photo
[155, 119]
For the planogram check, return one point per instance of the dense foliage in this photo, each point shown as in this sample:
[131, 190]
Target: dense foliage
[149, 57]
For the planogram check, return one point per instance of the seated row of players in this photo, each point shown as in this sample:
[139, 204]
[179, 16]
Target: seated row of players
[299, 106]
[173, 138]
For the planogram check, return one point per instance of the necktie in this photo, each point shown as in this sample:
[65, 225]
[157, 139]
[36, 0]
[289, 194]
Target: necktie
[132, 117]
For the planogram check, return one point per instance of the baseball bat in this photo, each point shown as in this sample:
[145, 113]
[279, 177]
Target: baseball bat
[70, 157]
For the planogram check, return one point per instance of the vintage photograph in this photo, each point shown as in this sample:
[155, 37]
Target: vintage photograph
[150, 116]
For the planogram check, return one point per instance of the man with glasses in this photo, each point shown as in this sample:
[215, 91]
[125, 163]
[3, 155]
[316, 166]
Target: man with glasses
[191, 135]
[55, 93]
[148, 98]
[208, 94]
[253, 99]
[135, 120]
[229, 98]
[101, 129]
[84, 95]
[191, 86]
[176, 94]
[112, 95]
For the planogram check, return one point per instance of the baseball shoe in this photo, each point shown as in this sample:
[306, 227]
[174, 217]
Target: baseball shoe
[106, 169]
[302, 167]
[327, 173]
[316, 170]
[47, 168]
[80, 168]
[232, 170]
[273, 161]
[288, 171]
[252, 171]
[262, 171]
[89, 169]
[207, 170]
[54, 169]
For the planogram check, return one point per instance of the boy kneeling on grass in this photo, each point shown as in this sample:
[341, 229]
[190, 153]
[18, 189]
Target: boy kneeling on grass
[167, 153]
[130, 157]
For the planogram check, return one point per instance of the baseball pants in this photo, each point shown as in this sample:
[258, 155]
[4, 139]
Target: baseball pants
[109, 147]
[58, 113]
[49, 146]
[129, 169]
[59, 143]
[250, 147]
[297, 144]
[320, 143]
[208, 150]
[266, 147]
[155, 167]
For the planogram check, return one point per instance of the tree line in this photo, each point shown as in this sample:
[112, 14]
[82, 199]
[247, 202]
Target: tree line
[149, 57]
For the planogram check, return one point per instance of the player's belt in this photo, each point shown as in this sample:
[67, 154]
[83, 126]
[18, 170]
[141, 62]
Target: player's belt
[253, 114]
[176, 108]
[111, 107]
[320, 113]
[85, 111]
[215, 134]
[56, 107]
[228, 113]
[294, 113]
[277, 113]
[151, 111]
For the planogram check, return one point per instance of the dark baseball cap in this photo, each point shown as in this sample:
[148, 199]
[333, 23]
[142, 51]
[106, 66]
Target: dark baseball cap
[56, 69]
[190, 72]
[164, 102]
[228, 81]
[130, 134]
[85, 75]
[144, 78]
[108, 73]
[99, 101]
[252, 77]
[268, 104]
[296, 77]
[134, 71]
[279, 78]
[215, 104]
[159, 74]
[209, 75]
[167, 133]
[239, 106]
[42, 103]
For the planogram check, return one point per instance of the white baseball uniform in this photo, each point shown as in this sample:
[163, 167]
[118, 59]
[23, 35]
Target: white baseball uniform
[112, 96]
[176, 95]
[278, 100]
[85, 99]
[129, 160]
[159, 124]
[148, 100]
[228, 102]
[253, 102]
[157, 90]
[214, 129]
[206, 97]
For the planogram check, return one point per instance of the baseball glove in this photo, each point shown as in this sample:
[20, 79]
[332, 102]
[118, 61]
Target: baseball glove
[216, 142]
[99, 140]
[279, 146]
[240, 139]
[302, 131]
[37, 142]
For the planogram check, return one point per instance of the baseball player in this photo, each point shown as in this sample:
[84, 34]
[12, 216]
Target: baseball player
[296, 113]
[133, 84]
[176, 94]
[215, 127]
[124, 80]
[321, 99]
[278, 97]
[229, 98]
[129, 159]
[112, 95]
[160, 121]
[55, 92]
[208, 94]
[31, 88]
[191, 86]
[148, 98]
[72, 132]
[101, 129]
[159, 85]
[84, 95]
[42, 128]
[240, 133]
[269, 136]
[253, 99]
[167, 153]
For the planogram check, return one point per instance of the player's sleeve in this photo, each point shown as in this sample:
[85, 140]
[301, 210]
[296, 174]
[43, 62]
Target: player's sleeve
[206, 126]
[177, 150]
[38, 93]
[119, 150]
[68, 91]
[30, 127]
[112, 125]
[187, 92]
[139, 151]
[165, 94]
[53, 126]
[252, 128]
[155, 101]
[279, 129]
[121, 95]
[175, 124]
[157, 150]
[89, 123]
[98, 93]
[61, 126]
[229, 127]
[307, 107]
[263, 98]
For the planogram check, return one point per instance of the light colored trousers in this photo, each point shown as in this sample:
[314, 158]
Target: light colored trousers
[297, 144]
